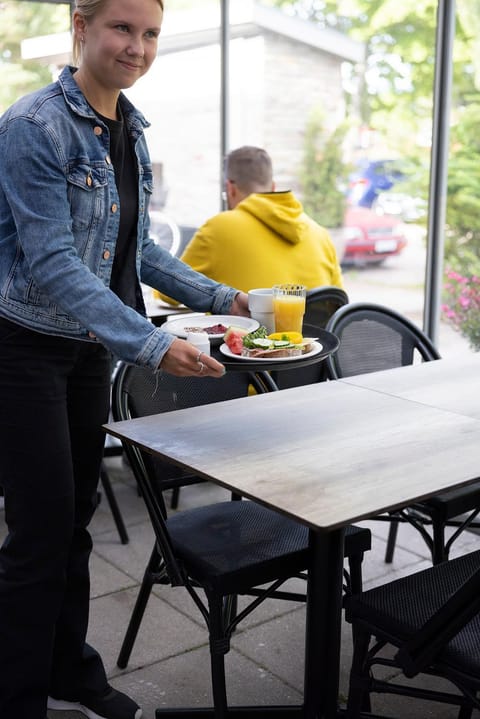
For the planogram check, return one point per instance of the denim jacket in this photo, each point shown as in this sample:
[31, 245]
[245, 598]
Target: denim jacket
[59, 219]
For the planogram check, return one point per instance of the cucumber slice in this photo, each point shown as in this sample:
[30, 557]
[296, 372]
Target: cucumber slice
[262, 342]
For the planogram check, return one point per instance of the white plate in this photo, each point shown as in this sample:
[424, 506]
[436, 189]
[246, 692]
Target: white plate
[177, 325]
[317, 347]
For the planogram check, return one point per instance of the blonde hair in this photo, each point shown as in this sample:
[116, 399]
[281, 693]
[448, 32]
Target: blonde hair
[88, 8]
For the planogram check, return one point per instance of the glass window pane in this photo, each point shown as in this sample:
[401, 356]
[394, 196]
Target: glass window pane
[340, 94]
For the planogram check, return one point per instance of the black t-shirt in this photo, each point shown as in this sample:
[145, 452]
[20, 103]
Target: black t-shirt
[124, 281]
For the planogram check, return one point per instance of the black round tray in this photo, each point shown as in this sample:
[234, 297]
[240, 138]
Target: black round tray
[328, 340]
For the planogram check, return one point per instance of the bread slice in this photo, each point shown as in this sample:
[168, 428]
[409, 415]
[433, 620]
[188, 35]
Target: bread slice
[279, 353]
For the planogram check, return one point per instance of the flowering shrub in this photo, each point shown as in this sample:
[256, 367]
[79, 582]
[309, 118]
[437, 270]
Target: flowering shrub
[461, 306]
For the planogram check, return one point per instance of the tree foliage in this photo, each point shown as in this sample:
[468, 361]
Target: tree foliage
[396, 94]
[324, 173]
[400, 38]
[21, 20]
[463, 205]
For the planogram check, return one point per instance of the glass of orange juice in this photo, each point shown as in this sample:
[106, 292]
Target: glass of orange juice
[289, 307]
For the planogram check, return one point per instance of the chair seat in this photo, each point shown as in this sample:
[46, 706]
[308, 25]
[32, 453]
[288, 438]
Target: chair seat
[400, 608]
[232, 546]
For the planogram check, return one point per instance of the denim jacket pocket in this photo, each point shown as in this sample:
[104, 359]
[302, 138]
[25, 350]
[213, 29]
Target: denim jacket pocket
[87, 186]
[87, 189]
[147, 186]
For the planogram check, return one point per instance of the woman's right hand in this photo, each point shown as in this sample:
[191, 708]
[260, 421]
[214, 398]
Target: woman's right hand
[183, 359]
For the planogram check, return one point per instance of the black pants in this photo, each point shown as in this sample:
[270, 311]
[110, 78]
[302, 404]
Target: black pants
[54, 397]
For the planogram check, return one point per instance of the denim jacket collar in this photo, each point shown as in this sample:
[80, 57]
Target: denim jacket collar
[78, 104]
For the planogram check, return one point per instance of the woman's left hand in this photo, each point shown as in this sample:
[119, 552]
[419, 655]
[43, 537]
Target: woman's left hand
[183, 359]
[240, 305]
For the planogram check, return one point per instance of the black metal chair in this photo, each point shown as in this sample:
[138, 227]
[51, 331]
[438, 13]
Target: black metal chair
[320, 304]
[373, 338]
[433, 619]
[112, 449]
[158, 392]
[225, 549]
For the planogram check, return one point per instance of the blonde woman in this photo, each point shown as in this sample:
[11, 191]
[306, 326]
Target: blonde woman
[74, 247]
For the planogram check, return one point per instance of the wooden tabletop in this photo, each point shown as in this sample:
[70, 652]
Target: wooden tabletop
[326, 454]
[452, 384]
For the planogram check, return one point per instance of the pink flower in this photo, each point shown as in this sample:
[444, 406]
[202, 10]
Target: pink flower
[451, 274]
[461, 307]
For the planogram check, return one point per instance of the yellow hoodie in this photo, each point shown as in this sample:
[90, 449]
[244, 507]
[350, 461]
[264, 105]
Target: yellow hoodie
[267, 239]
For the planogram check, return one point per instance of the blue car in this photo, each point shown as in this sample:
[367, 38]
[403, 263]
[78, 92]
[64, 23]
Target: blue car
[371, 178]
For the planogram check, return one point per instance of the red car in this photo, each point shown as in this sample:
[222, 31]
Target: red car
[369, 238]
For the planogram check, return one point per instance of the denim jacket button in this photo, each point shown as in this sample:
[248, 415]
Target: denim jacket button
[97, 130]
[114, 207]
[92, 335]
[89, 181]
[106, 254]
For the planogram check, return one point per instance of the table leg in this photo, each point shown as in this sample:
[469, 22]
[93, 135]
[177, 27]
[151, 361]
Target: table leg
[323, 624]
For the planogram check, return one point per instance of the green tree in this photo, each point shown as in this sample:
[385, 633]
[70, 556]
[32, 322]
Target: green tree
[21, 20]
[397, 80]
[324, 173]
[469, 18]
[462, 249]
[396, 87]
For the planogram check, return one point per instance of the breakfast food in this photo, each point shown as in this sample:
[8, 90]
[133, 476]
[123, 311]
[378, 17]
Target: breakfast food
[273, 352]
[211, 330]
[260, 344]
[233, 338]
[294, 337]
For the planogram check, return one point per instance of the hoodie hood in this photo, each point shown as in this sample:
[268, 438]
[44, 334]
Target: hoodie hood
[281, 212]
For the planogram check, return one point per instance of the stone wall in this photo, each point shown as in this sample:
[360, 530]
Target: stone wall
[298, 79]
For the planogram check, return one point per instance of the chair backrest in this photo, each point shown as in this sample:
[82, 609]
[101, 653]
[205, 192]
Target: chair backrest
[373, 338]
[320, 304]
[139, 392]
[165, 231]
[418, 652]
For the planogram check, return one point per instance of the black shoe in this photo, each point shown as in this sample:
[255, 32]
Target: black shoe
[112, 705]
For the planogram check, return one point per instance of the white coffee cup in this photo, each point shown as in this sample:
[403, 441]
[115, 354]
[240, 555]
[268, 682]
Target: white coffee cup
[260, 304]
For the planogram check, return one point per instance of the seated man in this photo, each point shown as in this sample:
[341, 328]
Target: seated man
[265, 237]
